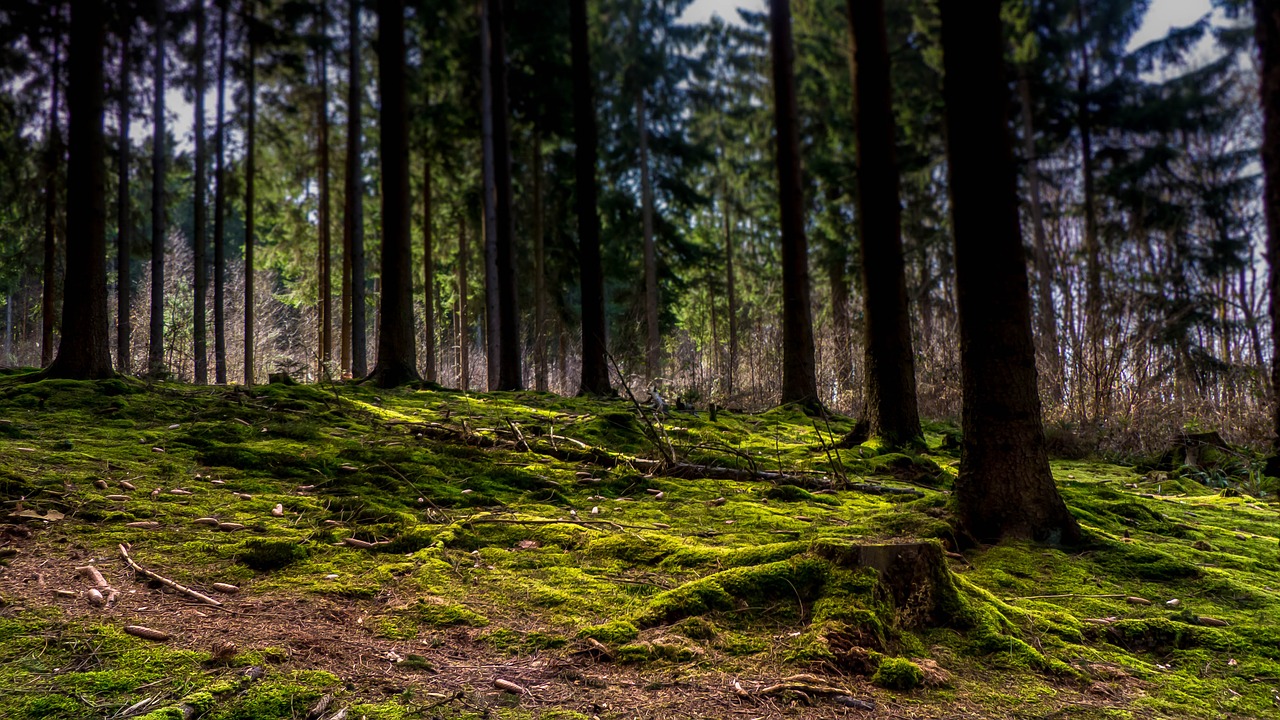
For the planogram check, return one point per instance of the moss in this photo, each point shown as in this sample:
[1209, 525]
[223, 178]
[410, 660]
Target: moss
[266, 554]
[442, 614]
[616, 632]
[791, 493]
[898, 674]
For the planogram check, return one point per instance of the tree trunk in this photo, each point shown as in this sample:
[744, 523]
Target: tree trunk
[539, 273]
[510, 374]
[489, 224]
[1040, 244]
[124, 284]
[428, 269]
[49, 286]
[464, 340]
[1004, 488]
[201, 275]
[1267, 32]
[732, 298]
[653, 344]
[799, 382]
[353, 220]
[85, 350]
[155, 351]
[1094, 354]
[397, 351]
[595, 370]
[890, 360]
[326, 279]
[220, 210]
[251, 88]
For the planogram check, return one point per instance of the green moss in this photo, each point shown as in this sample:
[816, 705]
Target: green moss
[266, 554]
[616, 632]
[898, 674]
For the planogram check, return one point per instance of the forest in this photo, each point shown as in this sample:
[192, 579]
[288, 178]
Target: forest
[534, 359]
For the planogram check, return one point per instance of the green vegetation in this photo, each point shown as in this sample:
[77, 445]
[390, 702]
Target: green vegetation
[473, 560]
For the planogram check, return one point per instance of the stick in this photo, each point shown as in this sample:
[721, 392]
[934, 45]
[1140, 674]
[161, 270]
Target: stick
[100, 584]
[124, 553]
[519, 436]
[1065, 595]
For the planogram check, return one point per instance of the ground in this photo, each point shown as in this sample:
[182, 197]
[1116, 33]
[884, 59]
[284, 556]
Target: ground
[427, 553]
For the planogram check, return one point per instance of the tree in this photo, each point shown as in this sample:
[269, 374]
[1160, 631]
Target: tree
[220, 208]
[322, 149]
[595, 370]
[799, 382]
[1005, 488]
[53, 159]
[397, 363]
[85, 349]
[353, 214]
[124, 224]
[1267, 33]
[510, 376]
[428, 271]
[890, 364]
[201, 279]
[159, 216]
[250, 174]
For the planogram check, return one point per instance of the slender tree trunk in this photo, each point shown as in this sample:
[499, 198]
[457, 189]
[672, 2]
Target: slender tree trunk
[1040, 244]
[539, 273]
[510, 373]
[841, 301]
[1092, 250]
[653, 344]
[890, 359]
[489, 224]
[201, 243]
[595, 370]
[353, 220]
[799, 381]
[251, 88]
[428, 269]
[85, 350]
[326, 280]
[1267, 33]
[124, 225]
[220, 209]
[464, 338]
[397, 351]
[732, 297]
[159, 218]
[49, 285]
[1005, 488]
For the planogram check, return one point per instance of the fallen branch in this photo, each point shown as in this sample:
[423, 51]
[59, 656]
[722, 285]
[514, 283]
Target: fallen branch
[105, 594]
[124, 553]
[1064, 596]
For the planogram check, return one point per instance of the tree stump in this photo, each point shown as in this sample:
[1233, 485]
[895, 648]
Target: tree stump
[914, 576]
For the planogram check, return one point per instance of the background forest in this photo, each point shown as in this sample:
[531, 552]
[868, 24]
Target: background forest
[1139, 189]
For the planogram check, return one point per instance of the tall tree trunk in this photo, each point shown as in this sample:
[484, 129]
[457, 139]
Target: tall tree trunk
[201, 274]
[1040, 244]
[53, 160]
[220, 209]
[251, 88]
[539, 273]
[124, 225]
[841, 301]
[428, 269]
[397, 351]
[85, 350]
[595, 370]
[464, 339]
[1094, 353]
[510, 373]
[732, 297]
[799, 381]
[353, 220]
[159, 218]
[326, 280]
[1267, 32]
[653, 358]
[1005, 488]
[489, 223]
[890, 360]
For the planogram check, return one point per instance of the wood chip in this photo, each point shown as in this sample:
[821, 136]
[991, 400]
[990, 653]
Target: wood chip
[508, 686]
[128, 485]
[1137, 601]
[206, 521]
[117, 498]
[653, 491]
[100, 484]
[278, 510]
[1212, 622]
[157, 449]
[179, 491]
[243, 496]
[146, 632]
[228, 526]
[144, 524]
[225, 588]
[65, 593]
[717, 502]
[174, 426]
[218, 482]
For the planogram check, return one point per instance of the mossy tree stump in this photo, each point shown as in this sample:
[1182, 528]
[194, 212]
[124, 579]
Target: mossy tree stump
[913, 574]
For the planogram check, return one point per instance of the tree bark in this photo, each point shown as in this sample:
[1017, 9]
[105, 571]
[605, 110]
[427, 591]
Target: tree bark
[326, 279]
[1005, 488]
[1094, 353]
[53, 158]
[220, 209]
[890, 359]
[799, 381]
[464, 339]
[489, 224]
[539, 273]
[85, 349]
[159, 218]
[595, 370]
[732, 297]
[1267, 33]
[251, 88]
[428, 269]
[200, 346]
[397, 351]
[1040, 244]
[124, 225]
[353, 220]
[653, 344]
[510, 373]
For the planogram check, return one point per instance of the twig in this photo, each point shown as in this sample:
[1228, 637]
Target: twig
[519, 435]
[124, 553]
[1063, 596]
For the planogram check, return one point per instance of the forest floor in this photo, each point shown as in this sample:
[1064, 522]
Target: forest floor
[427, 553]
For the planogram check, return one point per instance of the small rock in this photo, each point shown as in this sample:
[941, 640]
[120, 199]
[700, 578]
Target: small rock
[595, 510]
[278, 510]
[95, 598]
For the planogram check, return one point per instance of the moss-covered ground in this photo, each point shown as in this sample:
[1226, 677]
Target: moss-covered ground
[597, 590]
